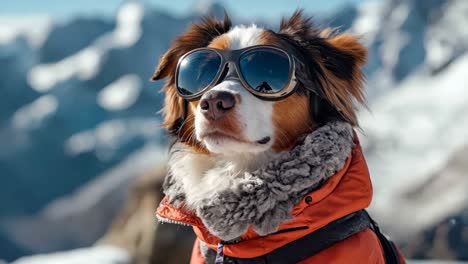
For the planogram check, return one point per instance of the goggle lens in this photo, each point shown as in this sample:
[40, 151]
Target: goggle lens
[197, 71]
[265, 70]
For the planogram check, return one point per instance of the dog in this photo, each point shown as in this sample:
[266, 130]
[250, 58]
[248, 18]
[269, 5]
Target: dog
[262, 123]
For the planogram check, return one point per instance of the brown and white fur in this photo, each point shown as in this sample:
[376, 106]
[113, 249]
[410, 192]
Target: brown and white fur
[329, 65]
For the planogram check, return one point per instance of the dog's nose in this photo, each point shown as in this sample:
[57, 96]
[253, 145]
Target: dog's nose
[215, 104]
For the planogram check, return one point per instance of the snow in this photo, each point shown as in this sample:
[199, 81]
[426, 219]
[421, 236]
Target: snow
[379, 24]
[86, 63]
[89, 195]
[65, 218]
[395, 40]
[83, 65]
[80, 143]
[448, 37]
[34, 28]
[108, 136]
[129, 19]
[410, 134]
[93, 255]
[121, 94]
[368, 21]
[33, 114]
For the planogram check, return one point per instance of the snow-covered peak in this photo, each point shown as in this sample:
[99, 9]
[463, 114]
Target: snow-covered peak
[447, 39]
[405, 38]
[368, 21]
[86, 63]
[121, 93]
[82, 65]
[92, 255]
[130, 12]
[208, 7]
[129, 18]
[33, 114]
[34, 29]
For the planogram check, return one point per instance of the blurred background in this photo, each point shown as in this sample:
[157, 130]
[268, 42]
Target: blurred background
[79, 124]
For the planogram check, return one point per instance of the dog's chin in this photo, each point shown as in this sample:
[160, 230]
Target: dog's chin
[227, 145]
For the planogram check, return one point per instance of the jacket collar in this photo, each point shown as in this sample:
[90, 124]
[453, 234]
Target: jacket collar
[268, 197]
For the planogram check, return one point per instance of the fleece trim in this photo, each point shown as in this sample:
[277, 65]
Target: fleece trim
[265, 198]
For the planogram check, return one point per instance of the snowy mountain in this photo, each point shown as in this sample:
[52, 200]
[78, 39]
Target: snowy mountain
[64, 118]
[410, 137]
[76, 106]
[416, 131]
[407, 37]
[78, 119]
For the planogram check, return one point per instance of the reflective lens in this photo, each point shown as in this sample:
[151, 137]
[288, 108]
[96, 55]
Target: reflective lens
[265, 70]
[197, 71]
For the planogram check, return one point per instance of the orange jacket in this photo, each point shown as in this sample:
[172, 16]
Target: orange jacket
[347, 191]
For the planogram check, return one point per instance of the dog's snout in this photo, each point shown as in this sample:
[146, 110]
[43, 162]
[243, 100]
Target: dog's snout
[215, 104]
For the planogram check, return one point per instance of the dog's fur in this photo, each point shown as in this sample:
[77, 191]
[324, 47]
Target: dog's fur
[328, 67]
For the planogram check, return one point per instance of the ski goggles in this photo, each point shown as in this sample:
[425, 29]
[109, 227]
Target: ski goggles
[268, 72]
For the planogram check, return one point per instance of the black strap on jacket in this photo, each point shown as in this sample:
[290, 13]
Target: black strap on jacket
[390, 251]
[321, 239]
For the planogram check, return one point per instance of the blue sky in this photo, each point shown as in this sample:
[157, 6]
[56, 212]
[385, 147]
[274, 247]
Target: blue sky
[243, 8]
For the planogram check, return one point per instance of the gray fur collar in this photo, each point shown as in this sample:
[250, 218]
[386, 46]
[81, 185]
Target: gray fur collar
[264, 198]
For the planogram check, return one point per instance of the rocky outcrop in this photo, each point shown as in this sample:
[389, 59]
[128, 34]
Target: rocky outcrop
[136, 229]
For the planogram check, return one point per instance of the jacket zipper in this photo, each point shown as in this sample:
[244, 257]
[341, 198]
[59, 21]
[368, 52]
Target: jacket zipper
[164, 220]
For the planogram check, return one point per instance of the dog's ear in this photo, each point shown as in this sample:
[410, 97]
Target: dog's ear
[343, 86]
[166, 65]
[346, 54]
[173, 110]
[334, 61]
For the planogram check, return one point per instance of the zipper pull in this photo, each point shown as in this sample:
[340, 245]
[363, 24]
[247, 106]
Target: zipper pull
[219, 254]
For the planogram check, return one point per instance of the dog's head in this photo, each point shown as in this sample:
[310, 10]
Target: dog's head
[229, 119]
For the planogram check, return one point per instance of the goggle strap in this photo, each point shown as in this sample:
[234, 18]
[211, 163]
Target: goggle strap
[322, 111]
